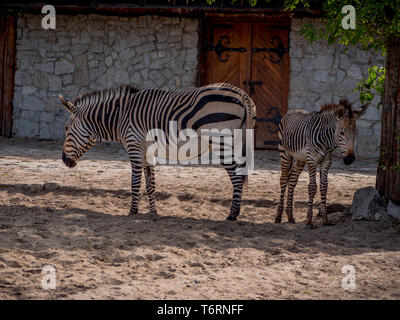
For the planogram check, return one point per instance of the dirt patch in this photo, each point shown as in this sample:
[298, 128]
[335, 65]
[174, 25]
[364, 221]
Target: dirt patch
[77, 221]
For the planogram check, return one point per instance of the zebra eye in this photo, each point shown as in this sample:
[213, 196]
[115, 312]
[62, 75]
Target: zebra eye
[342, 133]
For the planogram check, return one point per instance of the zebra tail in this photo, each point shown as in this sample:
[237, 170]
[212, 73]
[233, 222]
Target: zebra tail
[246, 182]
[250, 110]
[249, 116]
[281, 149]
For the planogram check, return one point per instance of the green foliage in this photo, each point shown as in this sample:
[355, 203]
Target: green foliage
[373, 85]
[251, 2]
[376, 20]
[5, 12]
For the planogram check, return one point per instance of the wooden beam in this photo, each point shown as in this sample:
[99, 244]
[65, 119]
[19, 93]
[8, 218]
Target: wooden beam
[171, 8]
[2, 46]
[7, 66]
[388, 176]
[10, 55]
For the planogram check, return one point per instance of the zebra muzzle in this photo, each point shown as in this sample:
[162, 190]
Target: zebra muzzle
[349, 159]
[68, 161]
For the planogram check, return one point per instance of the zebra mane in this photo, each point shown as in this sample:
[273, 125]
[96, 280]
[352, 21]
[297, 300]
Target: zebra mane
[115, 91]
[332, 107]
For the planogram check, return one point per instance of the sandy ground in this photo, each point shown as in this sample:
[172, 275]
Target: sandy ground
[76, 220]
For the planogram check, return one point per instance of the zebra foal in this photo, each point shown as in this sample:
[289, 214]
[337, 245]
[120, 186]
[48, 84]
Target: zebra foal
[127, 115]
[310, 138]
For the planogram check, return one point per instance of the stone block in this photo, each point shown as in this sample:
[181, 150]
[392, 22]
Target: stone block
[32, 103]
[27, 128]
[108, 61]
[67, 79]
[81, 76]
[97, 46]
[78, 49]
[27, 90]
[127, 54]
[47, 117]
[54, 83]
[321, 75]
[45, 67]
[366, 146]
[157, 78]
[121, 77]
[63, 67]
[136, 78]
[44, 131]
[190, 40]
[175, 31]
[81, 60]
[344, 62]
[354, 72]
[41, 80]
[24, 78]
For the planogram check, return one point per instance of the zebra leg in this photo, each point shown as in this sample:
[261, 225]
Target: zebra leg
[286, 166]
[150, 187]
[312, 190]
[293, 178]
[237, 182]
[135, 153]
[325, 165]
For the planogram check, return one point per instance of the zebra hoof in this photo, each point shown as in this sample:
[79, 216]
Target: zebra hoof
[291, 221]
[132, 213]
[153, 211]
[277, 220]
[329, 223]
[231, 218]
[309, 226]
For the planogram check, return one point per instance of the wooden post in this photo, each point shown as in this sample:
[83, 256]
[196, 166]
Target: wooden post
[388, 178]
[2, 46]
[7, 73]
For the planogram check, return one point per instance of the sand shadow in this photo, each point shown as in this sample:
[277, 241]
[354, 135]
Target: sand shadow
[41, 228]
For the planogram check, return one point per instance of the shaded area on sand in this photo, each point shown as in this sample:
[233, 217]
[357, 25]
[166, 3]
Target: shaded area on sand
[188, 250]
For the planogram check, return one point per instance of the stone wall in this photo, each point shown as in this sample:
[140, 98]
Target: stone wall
[91, 52]
[320, 73]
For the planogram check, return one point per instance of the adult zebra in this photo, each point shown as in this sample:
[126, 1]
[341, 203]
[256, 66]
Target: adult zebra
[126, 114]
[310, 138]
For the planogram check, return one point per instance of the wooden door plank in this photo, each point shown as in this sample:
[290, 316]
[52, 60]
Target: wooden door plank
[2, 71]
[229, 66]
[271, 96]
[245, 62]
[9, 74]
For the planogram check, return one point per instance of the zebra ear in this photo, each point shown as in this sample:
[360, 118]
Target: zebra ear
[69, 106]
[361, 111]
[340, 112]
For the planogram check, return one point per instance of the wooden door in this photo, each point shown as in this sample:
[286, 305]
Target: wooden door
[270, 75]
[228, 53]
[7, 67]
[253, 56]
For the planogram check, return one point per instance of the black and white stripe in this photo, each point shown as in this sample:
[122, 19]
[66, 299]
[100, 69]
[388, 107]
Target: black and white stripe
[126, 114]
[310, 138]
